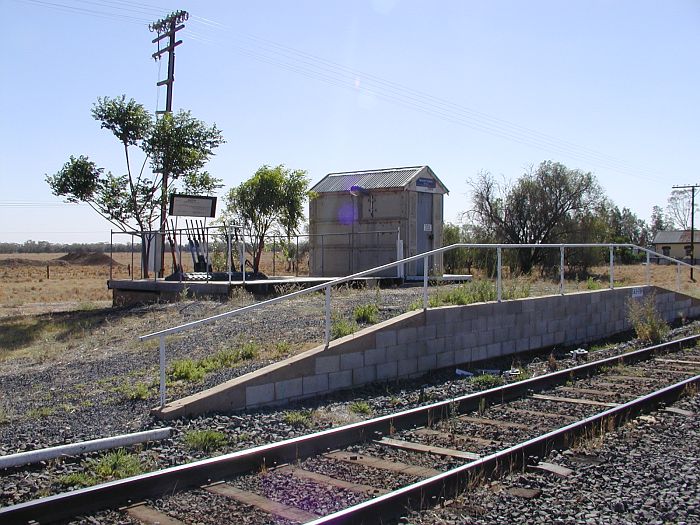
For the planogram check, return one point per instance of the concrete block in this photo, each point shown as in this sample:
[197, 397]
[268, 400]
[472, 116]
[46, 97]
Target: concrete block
[364, 375]
[407, 366]
[315, 384]
[387, 370]
[374, 356]
[341, 379]
[288, 388]
[468, 339]
[445, 359]
[259, 394]
[535, 342]
[386, 338]
[479, 354]
[394, 353]
[522, 344]
[327, 363]
[427, 362]
[352, 360]
[435, 346]
[484, 337]
[494, 350]
[547, 339]
[406, 335]
[427, 332]
[463, 355]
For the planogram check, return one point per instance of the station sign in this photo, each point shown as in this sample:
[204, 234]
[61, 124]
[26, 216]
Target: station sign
[192, 206]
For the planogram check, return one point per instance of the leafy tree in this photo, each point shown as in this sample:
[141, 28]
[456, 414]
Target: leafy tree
[537, 208]
[177, 144]
[272, 197]
[659, 221]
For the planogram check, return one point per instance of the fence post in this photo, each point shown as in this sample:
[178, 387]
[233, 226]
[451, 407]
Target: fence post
[162, 370]
[328, 315]
[612, 269]
[561, 270]
[425, 282]
[648, 272]
[499, 288]
[111, 255]
[242, 255]
[296, 258]
[678, 276]
[274, 253]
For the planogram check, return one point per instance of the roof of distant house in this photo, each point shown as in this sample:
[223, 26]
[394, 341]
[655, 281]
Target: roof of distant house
[387, 178]
[675, 237]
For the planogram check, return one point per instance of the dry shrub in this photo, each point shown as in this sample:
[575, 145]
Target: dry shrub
[646, 320]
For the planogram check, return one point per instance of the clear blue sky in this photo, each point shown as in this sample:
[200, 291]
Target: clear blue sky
[463, 86]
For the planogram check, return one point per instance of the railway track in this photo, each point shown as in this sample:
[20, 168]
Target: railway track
[373, 471]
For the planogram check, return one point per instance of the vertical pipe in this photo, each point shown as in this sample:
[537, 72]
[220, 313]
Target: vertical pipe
[179, 251]
[274, 253]
[328, 315]
[648, 272]
[242, 252]
[425, 282]
[612, 269]
[323, 249]
[111, 253]
[296, 257]
[678, 276]
[162, 370]
[499, 287]
[228, 257]
[561, 270]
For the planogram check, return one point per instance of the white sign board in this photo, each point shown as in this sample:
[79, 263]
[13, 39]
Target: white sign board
[427, 227]
[637, 292]
[192, 206]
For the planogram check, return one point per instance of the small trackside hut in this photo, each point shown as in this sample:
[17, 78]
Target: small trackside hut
[363, 219]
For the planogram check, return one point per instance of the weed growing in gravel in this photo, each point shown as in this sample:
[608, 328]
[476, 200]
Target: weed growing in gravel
[113, 465]
[366, 313]
[480, 291]
[136, 392]
[205, 440]
[487, 381]
[40, 413]
[552, 364]
[4, 417]
[282, 349]
[360, 407]
[341, 328]
[646, 320]
[194, 370]
[297, 418]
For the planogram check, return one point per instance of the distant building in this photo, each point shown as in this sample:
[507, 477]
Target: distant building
[357, 217]
[676, 244]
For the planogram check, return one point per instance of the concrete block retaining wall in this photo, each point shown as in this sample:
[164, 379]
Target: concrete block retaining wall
[417, 342]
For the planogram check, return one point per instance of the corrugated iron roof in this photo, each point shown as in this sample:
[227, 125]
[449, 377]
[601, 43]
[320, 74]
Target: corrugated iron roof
[368, 179]
[675, 237]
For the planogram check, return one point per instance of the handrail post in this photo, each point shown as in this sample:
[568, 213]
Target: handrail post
[111, 252]
[425, 283]
[612, 275]
[328, 315]
[161, 340]
[648, 272]
[678, 276]
[228, 257]
[241, 250]
[561, 269]
[499, 288]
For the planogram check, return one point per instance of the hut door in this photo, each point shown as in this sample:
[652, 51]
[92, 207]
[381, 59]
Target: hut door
[424, 225]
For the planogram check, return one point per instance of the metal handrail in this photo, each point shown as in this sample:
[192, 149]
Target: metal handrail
[161, 334]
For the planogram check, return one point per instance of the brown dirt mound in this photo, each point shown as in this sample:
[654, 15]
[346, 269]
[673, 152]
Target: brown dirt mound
[17, 262]
[88, 259]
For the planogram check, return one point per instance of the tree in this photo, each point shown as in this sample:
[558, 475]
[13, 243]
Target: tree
[537, 209]
[659, 221]
[178, 144]
[679, 208]
[272, 197]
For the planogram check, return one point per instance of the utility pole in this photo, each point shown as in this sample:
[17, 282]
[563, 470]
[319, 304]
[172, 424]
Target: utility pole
[167, 28]
[692, 188]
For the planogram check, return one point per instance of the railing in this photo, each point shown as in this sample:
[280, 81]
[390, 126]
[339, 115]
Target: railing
[162, 334]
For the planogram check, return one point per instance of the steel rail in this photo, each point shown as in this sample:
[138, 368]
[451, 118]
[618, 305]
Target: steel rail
[449, 484]
[155, 484]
